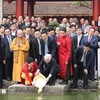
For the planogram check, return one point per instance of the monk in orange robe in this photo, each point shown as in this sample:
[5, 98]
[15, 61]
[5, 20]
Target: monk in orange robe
[20, 47]
[28, 71]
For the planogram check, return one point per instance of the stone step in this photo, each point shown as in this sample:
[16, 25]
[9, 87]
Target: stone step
[13, 88]
[57, 89]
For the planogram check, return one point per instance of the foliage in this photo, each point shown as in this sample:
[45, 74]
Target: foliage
[87, 4]
[53, 24]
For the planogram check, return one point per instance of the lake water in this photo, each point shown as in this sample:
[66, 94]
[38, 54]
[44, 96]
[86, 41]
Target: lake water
[68, 96]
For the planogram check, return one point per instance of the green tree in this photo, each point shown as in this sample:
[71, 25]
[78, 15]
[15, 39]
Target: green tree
[87, 4]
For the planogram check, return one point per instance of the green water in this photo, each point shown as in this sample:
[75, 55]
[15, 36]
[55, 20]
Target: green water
[68, 96]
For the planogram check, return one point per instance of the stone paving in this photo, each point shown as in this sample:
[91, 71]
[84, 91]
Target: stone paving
[13, 88]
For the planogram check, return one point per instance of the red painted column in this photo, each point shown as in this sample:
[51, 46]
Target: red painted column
[19, 8]
[96, 9]
[30, 8]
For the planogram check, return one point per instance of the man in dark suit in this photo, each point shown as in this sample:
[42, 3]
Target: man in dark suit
[49, 68]
[30, 37]
[13, 28]
[98, 23]
[76, 40]
[20, 22]
[1, 61]
[93, 45]
[82, 60]
[72, 31]
[36, 47]
[48, 44]
[53, 35]
[26, 21]
[81, 24]
[8, 54]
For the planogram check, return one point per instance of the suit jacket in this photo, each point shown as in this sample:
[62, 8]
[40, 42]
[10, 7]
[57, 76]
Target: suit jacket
[1, 50]
[55, 56]
[98, 38]
[51, 46]
[35, 48]
[98, 26]
[31, 38]
[49, 68]
[78, 56]
[14, 36]
[93, 42]
[23, 24]
[6, 47]
[20, 26]
[75, 42]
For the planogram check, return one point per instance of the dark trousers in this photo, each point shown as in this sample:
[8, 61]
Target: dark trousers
[91, 68]
[39, 59]
[9, 66]
[53, 77]
[67, 72]
[1, 82]
[85, 79]
[80, 69]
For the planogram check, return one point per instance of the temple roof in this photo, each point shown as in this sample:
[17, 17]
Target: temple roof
[9, 1]
[50, 9]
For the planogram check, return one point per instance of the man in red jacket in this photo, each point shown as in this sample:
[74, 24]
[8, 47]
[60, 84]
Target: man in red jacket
[64, 54]
[28, 71]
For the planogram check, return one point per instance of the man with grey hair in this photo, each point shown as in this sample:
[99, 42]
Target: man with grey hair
[49, 68]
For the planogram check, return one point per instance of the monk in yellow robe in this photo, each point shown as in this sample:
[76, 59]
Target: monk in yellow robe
[20, 47]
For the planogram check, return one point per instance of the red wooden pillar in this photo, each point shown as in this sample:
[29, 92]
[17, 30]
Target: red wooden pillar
[30, 8]
[19, 8]
[96, 9]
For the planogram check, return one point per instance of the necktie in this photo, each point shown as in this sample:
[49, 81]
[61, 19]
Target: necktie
[79, 37]
[9, 39]
[46, 47]
[89, 39]
[39, 46]
[84, 59]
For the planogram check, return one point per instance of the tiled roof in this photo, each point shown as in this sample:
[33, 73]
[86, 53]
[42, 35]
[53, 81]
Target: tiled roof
[50, 9]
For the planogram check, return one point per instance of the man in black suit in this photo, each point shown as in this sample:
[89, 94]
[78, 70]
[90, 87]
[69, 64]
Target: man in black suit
[98, 23]
[26, 21]
[8, 54]
[48, 44]
[30, 37]
[82, 58]
[49, 68]
[76, 40]
[36, 47]
[13, 28]
[1, 61]
[53, 35]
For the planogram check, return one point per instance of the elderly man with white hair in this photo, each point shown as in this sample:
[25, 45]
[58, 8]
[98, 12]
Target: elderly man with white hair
[49, 68]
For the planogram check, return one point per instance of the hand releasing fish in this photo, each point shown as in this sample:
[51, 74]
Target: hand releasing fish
[39, 82]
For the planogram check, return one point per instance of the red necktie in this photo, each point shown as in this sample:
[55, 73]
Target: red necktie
[89, 39]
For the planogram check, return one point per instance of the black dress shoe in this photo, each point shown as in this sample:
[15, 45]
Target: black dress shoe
[1, 87]
[85, 87]
[18, 82]
[52, 84]
[74, 87]
[8, 79]
[92, 79]
[63, 82]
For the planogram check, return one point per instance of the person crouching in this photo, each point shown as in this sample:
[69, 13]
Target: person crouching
[28, 71]
[49, 68]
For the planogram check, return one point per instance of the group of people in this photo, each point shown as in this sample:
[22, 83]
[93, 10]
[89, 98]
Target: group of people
[31, 46]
